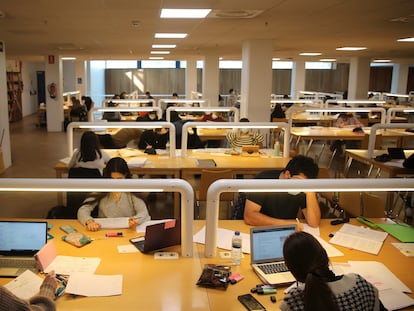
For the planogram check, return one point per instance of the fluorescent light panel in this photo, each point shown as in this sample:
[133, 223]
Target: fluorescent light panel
[184, 13]
[406, 40]
[164, 46]
[160, 52]
[166, 35]
[351, 48]
[310, 54]
[156, 58]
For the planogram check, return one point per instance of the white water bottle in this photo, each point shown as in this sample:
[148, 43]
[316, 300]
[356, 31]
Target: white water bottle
[236, 248]
[276, 150]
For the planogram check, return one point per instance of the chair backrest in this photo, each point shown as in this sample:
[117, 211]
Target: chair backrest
[372, 205]
[82, 172]
[210, 176]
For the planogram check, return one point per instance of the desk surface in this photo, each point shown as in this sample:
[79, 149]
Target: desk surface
[151, 284]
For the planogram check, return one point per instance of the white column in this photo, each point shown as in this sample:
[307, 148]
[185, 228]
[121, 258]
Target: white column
[80, 77]
[256, 80]
[359, 71]
[190, 77]
[211, 78]
[54, 106]
[399, 78]
[298, 79]
[4, 108]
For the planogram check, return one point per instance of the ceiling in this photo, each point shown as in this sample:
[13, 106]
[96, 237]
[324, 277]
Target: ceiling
[124, 29]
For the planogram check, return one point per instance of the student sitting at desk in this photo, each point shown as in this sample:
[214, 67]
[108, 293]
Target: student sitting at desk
[244, 136]
[319, 287]
[266, 209]
[89, 155]
[154, 138]
[347, 120]
[114, 204]
[43, 301]
[120, 139]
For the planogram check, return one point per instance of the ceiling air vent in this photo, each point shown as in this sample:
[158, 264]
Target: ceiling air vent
[234, 13]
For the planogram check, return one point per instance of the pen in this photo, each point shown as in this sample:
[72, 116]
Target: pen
[113, 234]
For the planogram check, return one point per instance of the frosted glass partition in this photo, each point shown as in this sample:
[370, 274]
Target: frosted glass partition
[130, 103]
[391, 113]
[119, 109]
[375, 127]
[93, 126]
[237, 125]
[354, 103]
[289, 185]
[234, 110]
[121, 185]
[183, 102]
[337, 110]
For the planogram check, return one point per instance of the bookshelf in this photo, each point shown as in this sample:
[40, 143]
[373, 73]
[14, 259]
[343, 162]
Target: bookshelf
[14, 94]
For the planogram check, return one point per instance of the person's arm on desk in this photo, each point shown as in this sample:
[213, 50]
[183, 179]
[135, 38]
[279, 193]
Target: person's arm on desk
[253, 216]
[312, 212]
[84, 215]
[43, 301]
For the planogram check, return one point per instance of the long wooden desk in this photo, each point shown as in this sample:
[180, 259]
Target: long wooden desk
[150, 284]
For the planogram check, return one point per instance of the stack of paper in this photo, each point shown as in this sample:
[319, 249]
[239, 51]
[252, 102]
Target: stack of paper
[137, 162]
[356, 237]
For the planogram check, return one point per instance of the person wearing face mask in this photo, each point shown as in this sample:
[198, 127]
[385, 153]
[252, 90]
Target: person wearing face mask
[273, 208]
[149, 117]
[114, 204]
[244, 137]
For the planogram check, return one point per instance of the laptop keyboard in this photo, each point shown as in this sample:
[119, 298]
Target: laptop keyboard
[273, 268]
[18, 263]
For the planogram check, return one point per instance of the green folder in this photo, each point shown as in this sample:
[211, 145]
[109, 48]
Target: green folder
[403, 232]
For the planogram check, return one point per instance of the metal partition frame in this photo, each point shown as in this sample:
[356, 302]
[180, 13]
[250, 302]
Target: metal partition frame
[124, 185]
[187, 102]
[392, 111]
[233, 125]
[353, 103]
[288, 185]
[203, 109]
[375, 127]
[120, 125]
[129, 102]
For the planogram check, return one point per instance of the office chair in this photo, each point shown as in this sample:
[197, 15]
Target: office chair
[207, 178]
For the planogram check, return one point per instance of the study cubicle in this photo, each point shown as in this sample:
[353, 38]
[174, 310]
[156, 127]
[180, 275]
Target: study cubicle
[196, 113]
[125, 114]
[185, 271]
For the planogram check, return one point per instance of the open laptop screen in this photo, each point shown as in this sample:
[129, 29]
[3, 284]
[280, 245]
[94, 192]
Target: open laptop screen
[267, 242]
[22, 237]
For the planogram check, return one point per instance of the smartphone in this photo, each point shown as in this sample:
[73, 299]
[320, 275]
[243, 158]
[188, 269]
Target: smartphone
[251, 303]
[68, 229]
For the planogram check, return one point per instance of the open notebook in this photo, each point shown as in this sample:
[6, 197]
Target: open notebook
[266, 247]
[20, 240]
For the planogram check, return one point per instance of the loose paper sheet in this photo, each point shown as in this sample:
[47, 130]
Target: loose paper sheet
[25, 285]
[113, 223]
[86, 284]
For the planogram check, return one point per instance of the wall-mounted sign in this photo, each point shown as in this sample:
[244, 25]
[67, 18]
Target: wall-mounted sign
[51, 59]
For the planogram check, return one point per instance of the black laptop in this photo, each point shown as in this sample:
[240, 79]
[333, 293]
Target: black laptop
[20, 240]
[396, 153]
[159, 236]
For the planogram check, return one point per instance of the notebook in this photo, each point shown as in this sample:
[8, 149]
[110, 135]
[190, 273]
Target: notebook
[20, 240]
[159, 236]
[266, 247]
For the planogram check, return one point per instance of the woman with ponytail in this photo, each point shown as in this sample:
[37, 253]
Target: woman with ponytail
[318, 288]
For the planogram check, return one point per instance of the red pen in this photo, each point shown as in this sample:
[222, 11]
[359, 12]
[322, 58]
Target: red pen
[113, 234]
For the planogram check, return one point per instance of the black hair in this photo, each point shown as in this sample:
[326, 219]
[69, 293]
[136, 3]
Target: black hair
[302, 164]
[308, 261]
[116, 165]
[89, 147]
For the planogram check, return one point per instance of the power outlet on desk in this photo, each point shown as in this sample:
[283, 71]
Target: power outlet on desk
[166, 255]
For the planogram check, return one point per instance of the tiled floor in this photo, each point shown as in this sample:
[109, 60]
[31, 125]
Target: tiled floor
[35, 151]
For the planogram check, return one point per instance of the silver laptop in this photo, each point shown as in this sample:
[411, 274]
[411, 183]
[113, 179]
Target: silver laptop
[266, 247]
[20, 240]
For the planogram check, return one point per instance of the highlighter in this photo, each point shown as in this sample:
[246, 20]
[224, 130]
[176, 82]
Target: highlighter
[113, 234]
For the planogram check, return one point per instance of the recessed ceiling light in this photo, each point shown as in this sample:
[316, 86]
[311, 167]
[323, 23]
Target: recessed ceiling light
[184, 13]
[327, 60]
[310, 54]
[68, 58]
[163, 46]
[155, 58]
[171, 35]
[275, 58]
[381, 61]
[160, 52]
[351, 48]
[406, 40]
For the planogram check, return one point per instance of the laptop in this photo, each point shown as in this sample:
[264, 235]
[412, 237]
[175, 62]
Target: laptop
[159, 236]
[266, 247]
[396, 153]
[20, 240]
